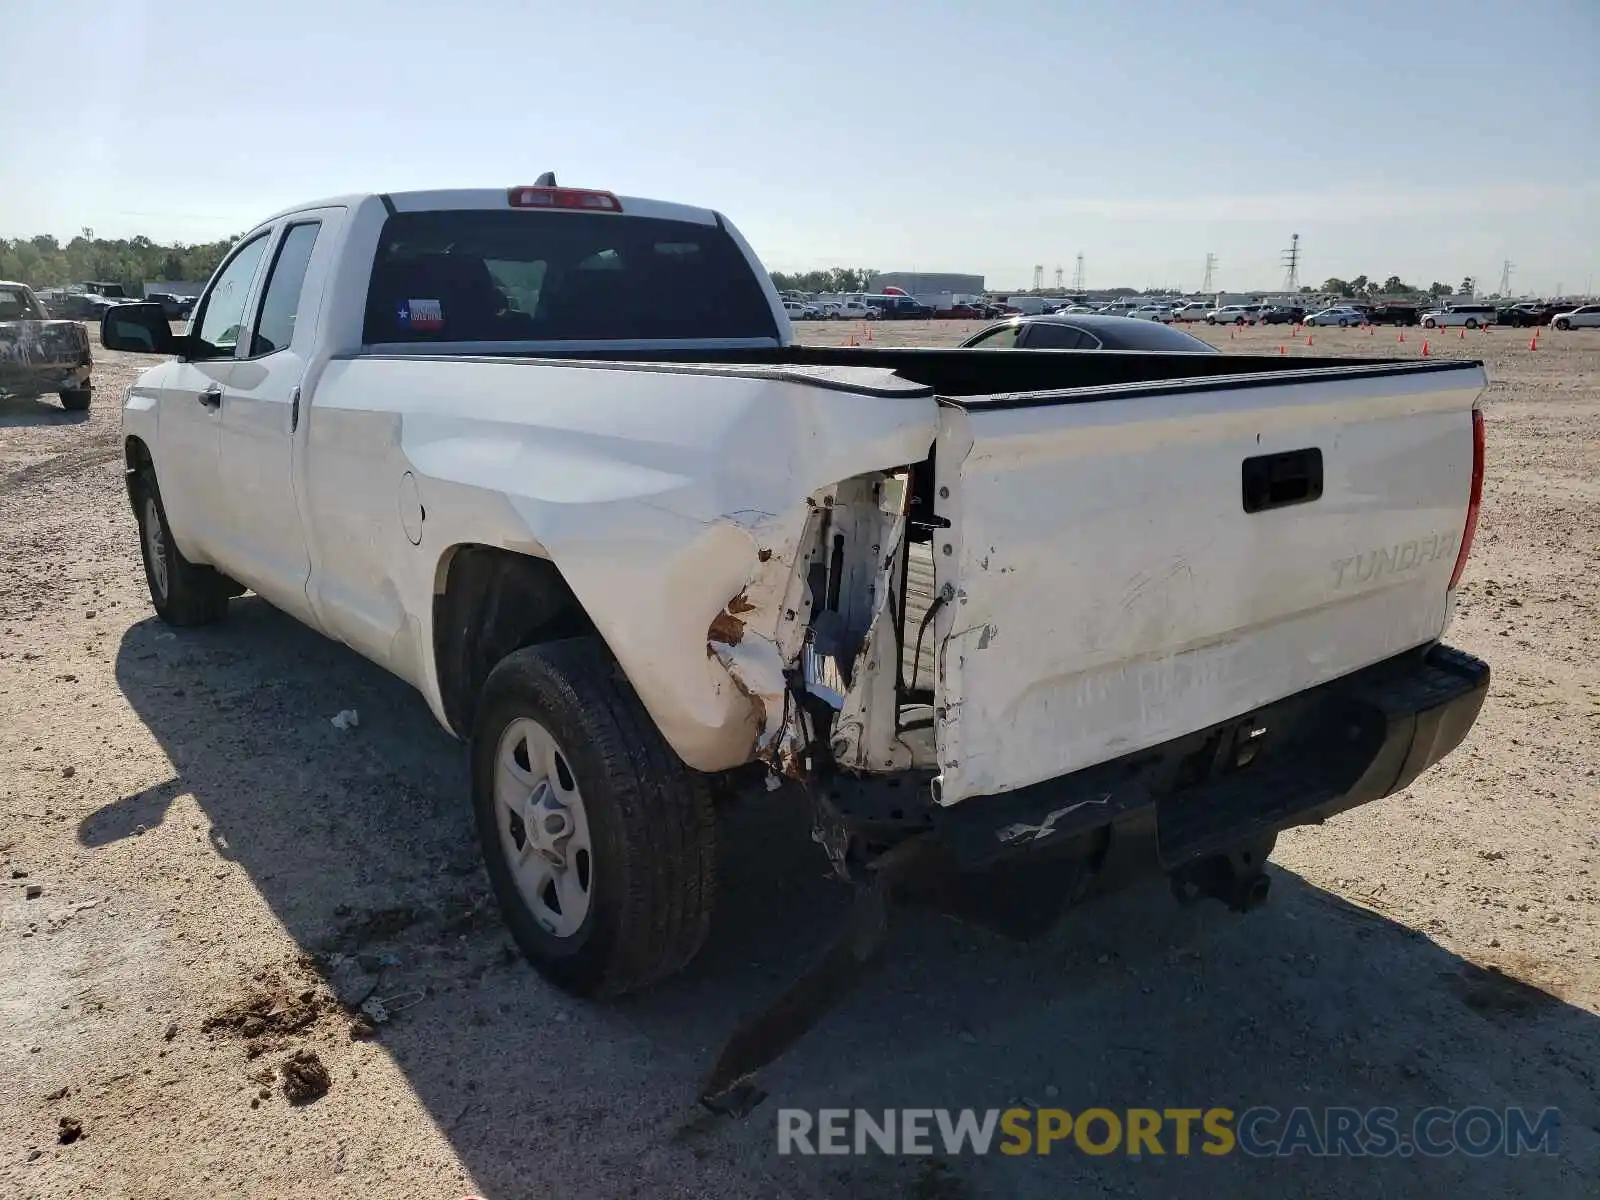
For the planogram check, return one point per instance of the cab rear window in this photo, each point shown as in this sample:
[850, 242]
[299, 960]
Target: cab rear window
[479, 275]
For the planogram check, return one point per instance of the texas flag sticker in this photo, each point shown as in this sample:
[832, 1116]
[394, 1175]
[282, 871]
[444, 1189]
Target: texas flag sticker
[421, 316]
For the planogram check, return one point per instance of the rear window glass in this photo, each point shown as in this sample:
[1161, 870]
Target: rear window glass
[15, 305]
[486, 276]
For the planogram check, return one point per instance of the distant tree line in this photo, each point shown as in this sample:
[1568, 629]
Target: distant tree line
[831, 280]
[43, 261]
[1392, 286]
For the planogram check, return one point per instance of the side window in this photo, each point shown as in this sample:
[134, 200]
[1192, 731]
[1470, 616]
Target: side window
[281, 299]
[223, 319]
[1004, 338]
[1046, 336]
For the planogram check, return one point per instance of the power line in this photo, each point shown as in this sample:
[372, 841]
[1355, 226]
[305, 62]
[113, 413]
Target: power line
[1505, 277]
[1291, 262]
[1077, 273]
[1059, 273]
[1211, 266]
[1038, 277]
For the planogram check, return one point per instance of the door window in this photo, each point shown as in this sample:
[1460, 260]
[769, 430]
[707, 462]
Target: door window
[1049, 336]
[222, 315]
[280, 301]
[1004, 338]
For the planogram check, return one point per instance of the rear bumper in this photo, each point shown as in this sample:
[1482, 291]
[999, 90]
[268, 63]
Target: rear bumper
[33, 380]
[1295, 762]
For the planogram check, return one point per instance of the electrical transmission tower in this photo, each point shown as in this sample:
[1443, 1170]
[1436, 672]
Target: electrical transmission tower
[1211, 266]
[1291, 263]
[1059, 274]
[1505, 276]
[1077, 273]
[1038, 277]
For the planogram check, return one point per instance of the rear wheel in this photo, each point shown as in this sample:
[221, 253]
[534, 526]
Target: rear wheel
[599, 842]
[1472, 323]
[1430, 323]
[1343, 322]
[75, 399]
[184, 593]
[1563, 323]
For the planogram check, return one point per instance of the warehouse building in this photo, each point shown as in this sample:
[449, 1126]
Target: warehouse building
[925, 283]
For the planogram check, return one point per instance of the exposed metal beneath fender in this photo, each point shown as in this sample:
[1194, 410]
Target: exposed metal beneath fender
[816, 616]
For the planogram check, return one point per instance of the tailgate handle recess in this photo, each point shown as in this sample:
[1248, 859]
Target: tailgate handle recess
[1278, 480]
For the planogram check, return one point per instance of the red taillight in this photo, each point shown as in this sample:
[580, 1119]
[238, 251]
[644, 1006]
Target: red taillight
[560, 197]
[1473, 500]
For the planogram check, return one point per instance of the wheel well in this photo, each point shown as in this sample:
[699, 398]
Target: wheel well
[488, 603]
[137, 456]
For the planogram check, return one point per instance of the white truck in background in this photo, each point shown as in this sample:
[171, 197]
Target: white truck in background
[552, 456]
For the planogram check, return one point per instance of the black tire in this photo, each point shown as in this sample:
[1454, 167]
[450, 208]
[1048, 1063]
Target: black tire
[1430, 323]
[76, 399]
[1472, 322]
[1343, 323]
[191, 594]
[1211, 320]
[1563, 324]
[650, 820]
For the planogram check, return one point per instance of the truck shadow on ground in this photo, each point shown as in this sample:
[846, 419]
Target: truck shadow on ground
[361, 842]
[16, 413]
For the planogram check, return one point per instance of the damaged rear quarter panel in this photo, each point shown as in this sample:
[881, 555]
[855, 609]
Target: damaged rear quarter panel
[675, 505]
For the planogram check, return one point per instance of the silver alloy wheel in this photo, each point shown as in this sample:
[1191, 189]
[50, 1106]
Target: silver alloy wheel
[155, 546]
[544, 831]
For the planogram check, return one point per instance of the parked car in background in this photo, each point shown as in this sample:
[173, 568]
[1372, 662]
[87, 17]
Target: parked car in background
[176, 308]
[1146, 312]
[1092, 331]
[900, 308]
[1234, 314]
[1340, 315]
[1194, 310]
[1587, 317]
[796, 310]
[39, 355]
[1281, 314]
[78, 306]
[1470, 315]
[1394, 314]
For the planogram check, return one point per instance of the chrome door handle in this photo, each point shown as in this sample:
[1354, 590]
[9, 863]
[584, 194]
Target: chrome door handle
[212, 396]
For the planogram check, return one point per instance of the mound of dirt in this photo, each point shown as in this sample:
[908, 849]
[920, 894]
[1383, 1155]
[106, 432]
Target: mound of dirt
[270, 1011]
[304, 1077]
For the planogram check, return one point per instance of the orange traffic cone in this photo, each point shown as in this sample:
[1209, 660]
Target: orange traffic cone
[869, 333]
[1462, 336]
[1424, 348]
[1310, 338]
[1281, 350]
[1533, 342]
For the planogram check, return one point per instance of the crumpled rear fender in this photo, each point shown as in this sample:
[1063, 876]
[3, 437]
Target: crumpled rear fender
[677, 507]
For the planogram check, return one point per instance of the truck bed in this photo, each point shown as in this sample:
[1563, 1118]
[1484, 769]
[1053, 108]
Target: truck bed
[961, 373]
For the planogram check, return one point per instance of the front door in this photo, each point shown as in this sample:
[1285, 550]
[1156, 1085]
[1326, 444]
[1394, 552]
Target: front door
[261, 415]
[188, 466]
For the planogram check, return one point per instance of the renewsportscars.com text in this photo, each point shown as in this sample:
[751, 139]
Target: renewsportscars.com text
[1260, 1132]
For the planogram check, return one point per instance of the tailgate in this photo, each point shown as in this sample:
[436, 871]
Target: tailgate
[1127, 565]
[29, 343]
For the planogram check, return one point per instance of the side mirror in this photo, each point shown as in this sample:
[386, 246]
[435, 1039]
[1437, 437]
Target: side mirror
[140, 328]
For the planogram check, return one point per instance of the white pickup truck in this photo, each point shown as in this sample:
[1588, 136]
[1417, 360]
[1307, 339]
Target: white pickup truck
[553, 457]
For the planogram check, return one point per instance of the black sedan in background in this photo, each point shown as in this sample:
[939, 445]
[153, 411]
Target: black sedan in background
[1085, 331]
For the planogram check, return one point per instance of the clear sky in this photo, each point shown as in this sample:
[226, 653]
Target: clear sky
[1430, 140]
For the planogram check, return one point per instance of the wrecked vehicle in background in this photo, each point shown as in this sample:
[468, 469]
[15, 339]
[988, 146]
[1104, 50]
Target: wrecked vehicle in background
[553, 457]
[39, 355]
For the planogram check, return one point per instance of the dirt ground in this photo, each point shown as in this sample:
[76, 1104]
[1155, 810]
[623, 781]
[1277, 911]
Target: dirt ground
[218, 866]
